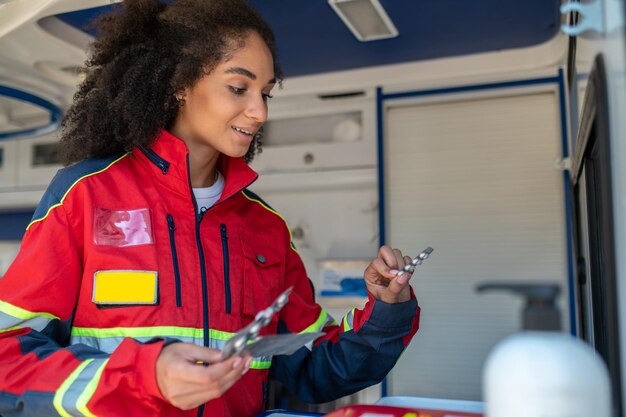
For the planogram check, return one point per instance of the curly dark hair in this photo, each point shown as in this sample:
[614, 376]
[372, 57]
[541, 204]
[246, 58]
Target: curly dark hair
[145, 54]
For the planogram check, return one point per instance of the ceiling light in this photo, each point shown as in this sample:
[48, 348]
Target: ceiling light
[366, 19]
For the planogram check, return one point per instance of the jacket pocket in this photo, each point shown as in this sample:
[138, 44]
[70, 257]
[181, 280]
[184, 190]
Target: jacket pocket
[172, 231]
[226, 258]
[263, 272]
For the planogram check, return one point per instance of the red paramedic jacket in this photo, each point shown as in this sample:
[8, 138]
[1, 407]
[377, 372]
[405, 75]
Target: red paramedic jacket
[115, 263]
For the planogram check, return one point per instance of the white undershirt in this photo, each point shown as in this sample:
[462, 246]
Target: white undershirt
[207, 196]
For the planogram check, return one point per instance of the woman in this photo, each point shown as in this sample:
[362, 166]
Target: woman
[149, 252]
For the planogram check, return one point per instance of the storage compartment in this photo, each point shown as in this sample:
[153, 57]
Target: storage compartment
[310, 133]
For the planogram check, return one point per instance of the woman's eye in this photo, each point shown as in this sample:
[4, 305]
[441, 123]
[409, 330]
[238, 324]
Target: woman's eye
[266, 97]
[236, 90]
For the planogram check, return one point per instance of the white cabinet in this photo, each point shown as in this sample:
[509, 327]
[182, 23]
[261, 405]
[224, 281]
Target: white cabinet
[37, 160]
[26, 168]
[309, 133]
[7, 163]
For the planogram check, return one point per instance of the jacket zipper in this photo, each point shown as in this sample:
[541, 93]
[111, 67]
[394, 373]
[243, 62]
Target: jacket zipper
[172, 228]
[224, 235]
[205, 301]
[156, 159]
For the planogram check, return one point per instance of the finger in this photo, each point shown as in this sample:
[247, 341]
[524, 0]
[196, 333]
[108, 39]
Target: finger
[399, 258]
[198, 370]
[388, 256]
[213, 379]
[378, 273]
[222, 372]
[225, 380]
[195, 353]
[404, 276]
[399, 283]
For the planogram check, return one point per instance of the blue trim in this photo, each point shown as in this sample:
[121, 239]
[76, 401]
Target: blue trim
[381, 172]
[561, 81]
[65, 179]
[29, 403]
[13, 224]
[381, 188]
[468, 88]
[569, 216]
[55, 114]
[281, 412]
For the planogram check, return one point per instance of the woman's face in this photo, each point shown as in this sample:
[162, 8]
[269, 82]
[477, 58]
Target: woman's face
[224, 109]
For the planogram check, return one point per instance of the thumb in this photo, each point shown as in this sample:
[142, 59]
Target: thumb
[399, 283]
[194, 353]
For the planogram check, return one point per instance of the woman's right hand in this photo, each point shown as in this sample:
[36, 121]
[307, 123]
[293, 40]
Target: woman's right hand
[186, 384]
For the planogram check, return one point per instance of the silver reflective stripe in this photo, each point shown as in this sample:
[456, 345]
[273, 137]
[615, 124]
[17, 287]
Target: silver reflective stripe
[72, 397]
[8, 322]
[109, 344]
[13, 317]
[348, 321]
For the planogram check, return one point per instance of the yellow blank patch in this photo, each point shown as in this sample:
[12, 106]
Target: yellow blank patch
[125, 287]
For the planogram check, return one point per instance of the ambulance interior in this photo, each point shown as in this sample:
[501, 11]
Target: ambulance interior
[483, 129]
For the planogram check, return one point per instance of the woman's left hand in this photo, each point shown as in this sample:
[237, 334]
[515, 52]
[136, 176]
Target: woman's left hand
[381, 276]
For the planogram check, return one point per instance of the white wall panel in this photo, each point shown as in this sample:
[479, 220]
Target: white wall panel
[477, 180]
[8, 168]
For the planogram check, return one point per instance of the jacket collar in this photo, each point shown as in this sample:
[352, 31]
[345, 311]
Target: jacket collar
[168, 158]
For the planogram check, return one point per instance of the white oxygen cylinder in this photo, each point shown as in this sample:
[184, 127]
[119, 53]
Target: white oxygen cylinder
[541, 372]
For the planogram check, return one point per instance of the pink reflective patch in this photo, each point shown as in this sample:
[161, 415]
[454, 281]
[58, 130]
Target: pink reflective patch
[122, 227]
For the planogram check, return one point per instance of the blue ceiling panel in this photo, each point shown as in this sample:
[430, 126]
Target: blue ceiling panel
[312, 39]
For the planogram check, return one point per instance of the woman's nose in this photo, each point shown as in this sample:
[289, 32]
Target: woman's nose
[257, 110]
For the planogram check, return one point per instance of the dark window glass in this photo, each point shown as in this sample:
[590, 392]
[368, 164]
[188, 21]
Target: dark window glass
[46, 154]
[594, 241]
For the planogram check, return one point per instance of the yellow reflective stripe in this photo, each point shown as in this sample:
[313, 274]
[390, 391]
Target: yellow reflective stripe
[22, 314]
[323, 320]
[10, 329]
[84, 398]
[58, 397]
[257, 364]
[268, 208]
[220, 335]
[60, 203]
[160, 331]
[155, 331]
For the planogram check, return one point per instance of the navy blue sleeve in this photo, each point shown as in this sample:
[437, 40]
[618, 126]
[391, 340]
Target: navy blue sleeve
[351, 361]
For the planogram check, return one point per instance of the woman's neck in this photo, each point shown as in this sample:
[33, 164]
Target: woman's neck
[203, 166]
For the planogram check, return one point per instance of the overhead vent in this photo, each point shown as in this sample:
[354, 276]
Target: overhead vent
[366, 19]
